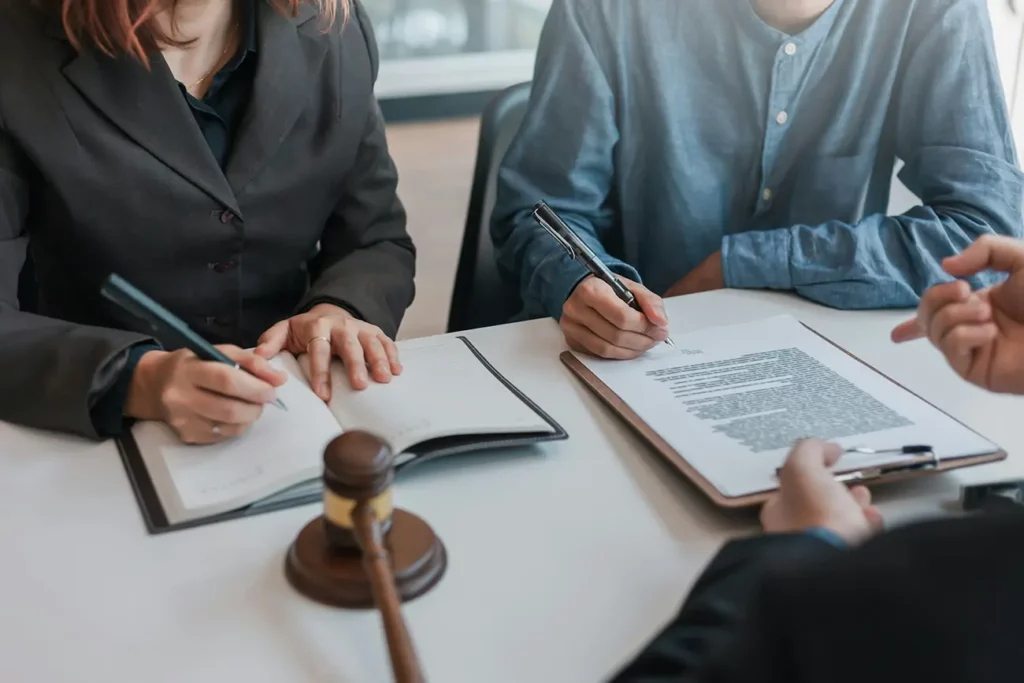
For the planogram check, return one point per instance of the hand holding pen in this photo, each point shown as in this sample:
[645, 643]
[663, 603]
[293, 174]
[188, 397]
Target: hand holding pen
[203, 401]
[205, 393]
[605, 315]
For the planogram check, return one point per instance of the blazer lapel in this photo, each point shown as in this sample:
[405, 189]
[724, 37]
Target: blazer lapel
[288, 59]
[147, 105]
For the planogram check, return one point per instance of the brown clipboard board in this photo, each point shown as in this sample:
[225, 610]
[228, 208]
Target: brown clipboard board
[676, 461]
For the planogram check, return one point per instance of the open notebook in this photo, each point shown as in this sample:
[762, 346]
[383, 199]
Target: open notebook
[448, 400]
[726, 405]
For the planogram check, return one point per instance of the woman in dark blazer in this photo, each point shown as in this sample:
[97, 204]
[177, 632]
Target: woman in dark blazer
[228, 158]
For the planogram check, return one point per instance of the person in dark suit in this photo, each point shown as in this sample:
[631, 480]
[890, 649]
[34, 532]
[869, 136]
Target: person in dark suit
[228, 158]
[823, 597]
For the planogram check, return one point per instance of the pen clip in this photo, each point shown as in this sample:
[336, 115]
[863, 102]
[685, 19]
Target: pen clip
[925, 461]
[554, 233]
[922, 458]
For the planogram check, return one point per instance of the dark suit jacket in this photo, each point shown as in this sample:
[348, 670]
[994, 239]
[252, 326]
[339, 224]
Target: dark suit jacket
[940, 601]
[103, 169]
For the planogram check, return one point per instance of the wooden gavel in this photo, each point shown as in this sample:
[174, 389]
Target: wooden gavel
[363, 552]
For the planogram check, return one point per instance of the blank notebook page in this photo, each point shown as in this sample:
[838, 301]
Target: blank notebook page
[282, 448]
[444, 390]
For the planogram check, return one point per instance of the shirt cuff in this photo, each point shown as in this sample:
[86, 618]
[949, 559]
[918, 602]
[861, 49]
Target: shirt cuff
[309, 305]
[758, 259]
[108, 413]
[562, 275]
[827, 535]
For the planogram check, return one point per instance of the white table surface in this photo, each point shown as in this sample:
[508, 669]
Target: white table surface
[563, 561]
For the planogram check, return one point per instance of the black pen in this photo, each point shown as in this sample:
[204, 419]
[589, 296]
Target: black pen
[164, 323]
[579, 251]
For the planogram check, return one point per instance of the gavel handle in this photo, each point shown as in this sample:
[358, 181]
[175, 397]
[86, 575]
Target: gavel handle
[404, 662]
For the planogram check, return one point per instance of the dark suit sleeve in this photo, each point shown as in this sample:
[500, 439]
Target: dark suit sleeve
[714, 618]
[367, 260]
[108, 413]
[52, 373]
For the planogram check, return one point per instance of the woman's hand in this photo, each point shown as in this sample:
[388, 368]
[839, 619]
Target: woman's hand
[326, 331]
[203, 401]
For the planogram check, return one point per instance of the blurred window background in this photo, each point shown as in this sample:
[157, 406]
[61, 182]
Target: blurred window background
[441, 57]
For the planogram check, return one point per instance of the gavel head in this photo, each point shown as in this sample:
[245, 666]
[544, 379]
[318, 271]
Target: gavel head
[358, 468]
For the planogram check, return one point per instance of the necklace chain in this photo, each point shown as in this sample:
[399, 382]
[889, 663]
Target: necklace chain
[227, 48]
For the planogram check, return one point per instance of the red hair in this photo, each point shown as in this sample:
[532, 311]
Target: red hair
[128, 26]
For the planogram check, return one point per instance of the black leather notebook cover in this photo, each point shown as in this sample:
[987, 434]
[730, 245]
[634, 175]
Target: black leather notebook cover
[156, 519]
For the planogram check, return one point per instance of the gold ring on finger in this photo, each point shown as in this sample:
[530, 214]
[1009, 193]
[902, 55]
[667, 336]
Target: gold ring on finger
[317, 338]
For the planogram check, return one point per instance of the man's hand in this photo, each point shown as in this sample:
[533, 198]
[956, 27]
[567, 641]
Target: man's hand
[981, 334]
[809, 496]
[706, 277]
[326, 331]
[596, 321]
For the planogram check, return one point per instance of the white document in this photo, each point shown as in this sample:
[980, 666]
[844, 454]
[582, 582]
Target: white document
[733, 400]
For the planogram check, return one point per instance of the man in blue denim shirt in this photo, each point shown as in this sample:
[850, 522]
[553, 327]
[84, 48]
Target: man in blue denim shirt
[703, 144]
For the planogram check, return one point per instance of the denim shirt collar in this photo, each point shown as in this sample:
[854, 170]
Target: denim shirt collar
[754, 26]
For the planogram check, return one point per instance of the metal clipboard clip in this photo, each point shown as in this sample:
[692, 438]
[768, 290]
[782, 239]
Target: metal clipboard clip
[919, 458]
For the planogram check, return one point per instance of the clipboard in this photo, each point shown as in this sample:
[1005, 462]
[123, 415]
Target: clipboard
[911, 468]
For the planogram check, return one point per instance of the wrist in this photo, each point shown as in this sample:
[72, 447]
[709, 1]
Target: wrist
[332, 310]
[143, 402]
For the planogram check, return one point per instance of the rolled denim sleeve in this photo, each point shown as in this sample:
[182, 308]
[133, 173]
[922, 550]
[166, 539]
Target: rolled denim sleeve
[562, 154]
[954, 135]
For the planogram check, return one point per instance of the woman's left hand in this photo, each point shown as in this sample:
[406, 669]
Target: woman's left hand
[326, 331]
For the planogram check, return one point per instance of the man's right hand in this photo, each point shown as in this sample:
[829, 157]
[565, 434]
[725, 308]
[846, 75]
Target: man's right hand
[204, 402]
[596, 321]
[981, 333]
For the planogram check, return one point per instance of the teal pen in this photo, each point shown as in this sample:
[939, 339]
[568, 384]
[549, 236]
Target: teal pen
[164, 323]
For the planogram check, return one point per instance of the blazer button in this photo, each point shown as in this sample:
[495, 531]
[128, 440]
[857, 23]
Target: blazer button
[223, 266]
[226, 216]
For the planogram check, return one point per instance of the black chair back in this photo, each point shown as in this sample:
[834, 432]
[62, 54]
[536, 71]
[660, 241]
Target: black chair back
[481, 298]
